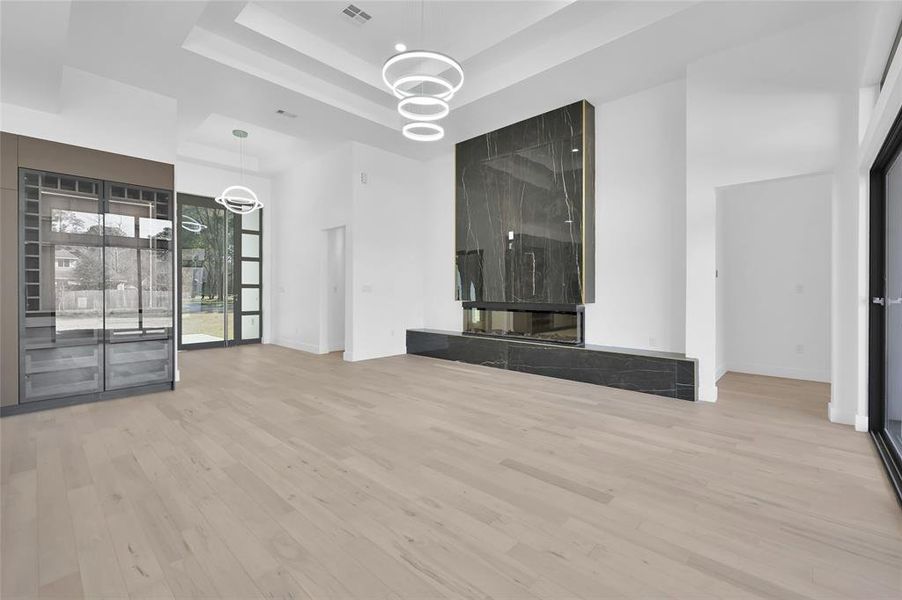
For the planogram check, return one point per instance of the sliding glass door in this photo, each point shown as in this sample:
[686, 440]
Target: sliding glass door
[885, 351]
[219, 275]
[892, 306]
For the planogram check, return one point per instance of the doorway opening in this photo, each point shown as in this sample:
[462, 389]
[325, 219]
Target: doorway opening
[335, 289]
[773, 285]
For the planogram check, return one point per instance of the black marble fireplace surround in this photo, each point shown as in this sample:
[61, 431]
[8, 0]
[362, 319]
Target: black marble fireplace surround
[660, 373]
[525, 261]
[525, 211]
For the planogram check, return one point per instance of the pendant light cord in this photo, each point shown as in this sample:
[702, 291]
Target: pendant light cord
[422, 34]
[241, 157]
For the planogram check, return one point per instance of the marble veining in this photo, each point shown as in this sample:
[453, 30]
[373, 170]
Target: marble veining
[663, 374]
[522, 195]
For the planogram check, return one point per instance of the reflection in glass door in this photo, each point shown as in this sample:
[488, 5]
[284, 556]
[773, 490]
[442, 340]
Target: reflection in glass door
[892, 306]
[207, 277]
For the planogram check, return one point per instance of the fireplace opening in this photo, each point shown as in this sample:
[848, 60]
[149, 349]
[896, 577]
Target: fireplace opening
[562, 324]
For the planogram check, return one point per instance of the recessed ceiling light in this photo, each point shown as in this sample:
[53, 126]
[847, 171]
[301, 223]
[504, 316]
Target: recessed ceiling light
[399, 47]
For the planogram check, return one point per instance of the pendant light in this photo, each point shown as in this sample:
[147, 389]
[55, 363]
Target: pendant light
[239, 199]
[423, 81]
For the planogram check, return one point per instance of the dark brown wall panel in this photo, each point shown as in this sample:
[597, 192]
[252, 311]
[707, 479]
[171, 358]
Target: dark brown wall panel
[8, 160]
[44, 155]
[9, 271]
[9, 297]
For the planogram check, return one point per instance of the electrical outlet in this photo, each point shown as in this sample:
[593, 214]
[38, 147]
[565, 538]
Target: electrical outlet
[800, 289]
[800, 349]
[363, 177]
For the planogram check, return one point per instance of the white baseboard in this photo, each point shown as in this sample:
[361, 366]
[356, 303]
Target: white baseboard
[836, 416]
[707, 394]
[861, 423]
[352, 356]
[298, 345]
[780, 371]
[720, 372]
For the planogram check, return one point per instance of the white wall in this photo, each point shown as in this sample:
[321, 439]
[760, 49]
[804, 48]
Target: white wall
[774, 277]
[384, 245]
[205, 180]
[99, 113]
[640, 237]
[640, 225]
[387, 252]
[759, 112]
[440, 309]
[335, 283]
[313, 196]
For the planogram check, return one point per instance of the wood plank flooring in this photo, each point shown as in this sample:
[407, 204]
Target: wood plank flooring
[274, 473]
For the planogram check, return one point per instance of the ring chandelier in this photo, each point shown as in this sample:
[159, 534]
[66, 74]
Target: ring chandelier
[239, 199]
[424, 82]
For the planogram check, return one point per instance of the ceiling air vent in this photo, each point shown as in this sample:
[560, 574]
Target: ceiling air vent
[285, 113]
[356, 15]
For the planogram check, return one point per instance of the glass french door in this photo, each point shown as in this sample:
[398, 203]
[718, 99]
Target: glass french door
[885, 328]
[207, 273]
[96, 273]
[220, 275]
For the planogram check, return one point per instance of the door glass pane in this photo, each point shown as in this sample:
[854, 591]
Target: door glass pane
[62, 257]
[75, 222]
[251, 221]
[250, 327]
[119, 225]
[156, 288]
[250, 299]
[250, 272]
[893, 305]
[231, 285]
[78, 275]
[121, 285]
[250, 245]
[154, 229]
[201, 250]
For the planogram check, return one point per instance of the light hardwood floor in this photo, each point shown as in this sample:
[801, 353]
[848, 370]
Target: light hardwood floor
[275, 473]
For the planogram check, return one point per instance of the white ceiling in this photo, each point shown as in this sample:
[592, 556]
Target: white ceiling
[233, 64]
[448, 27]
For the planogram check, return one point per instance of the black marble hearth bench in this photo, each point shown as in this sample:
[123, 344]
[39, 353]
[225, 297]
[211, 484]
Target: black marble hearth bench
[661, 373]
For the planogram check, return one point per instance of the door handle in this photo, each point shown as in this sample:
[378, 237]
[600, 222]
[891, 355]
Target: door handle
[877, 300]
